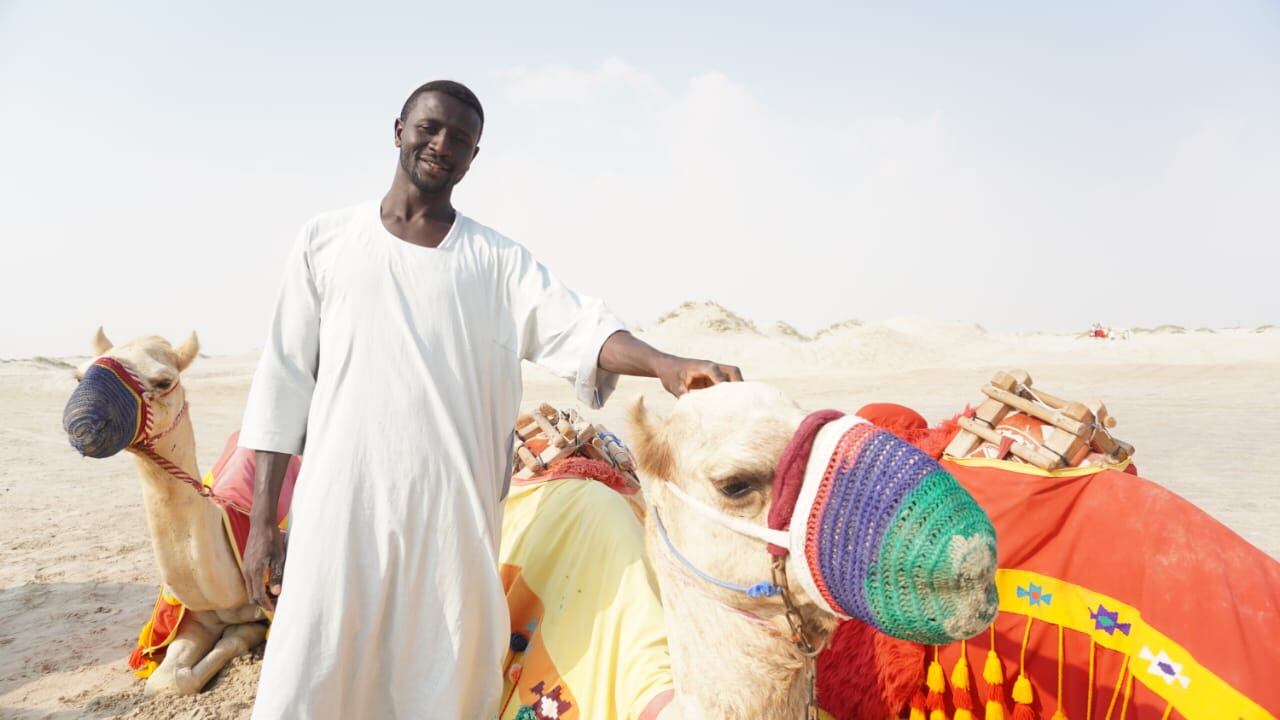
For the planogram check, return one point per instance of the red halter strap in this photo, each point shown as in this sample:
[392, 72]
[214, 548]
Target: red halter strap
[789, 475]
[142, 427]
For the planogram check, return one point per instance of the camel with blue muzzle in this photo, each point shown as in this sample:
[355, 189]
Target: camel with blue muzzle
[130, 397]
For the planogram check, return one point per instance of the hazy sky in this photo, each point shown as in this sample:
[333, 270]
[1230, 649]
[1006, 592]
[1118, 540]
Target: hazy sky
[1024, 168]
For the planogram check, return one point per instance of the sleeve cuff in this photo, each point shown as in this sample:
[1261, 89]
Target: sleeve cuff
[593, 385]
[271, 441]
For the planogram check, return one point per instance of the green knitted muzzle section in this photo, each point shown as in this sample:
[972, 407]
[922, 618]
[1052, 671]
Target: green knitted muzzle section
[933, 580]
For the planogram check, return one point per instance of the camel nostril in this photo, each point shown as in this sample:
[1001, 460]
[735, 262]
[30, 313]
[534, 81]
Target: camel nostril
[94, 434]
[86, 426]
[85, 432]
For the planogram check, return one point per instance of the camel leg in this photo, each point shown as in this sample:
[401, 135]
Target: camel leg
[236, 640]
[202, 647]
[195, 638]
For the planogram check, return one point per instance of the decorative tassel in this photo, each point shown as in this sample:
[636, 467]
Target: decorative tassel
[1088, 703]
[917, 706]
[1115, 693]
[960, 696]
[136, 660]
[936, 681]
[1022, 697]
[993, 674]
[1059, 714]
[1128, 690]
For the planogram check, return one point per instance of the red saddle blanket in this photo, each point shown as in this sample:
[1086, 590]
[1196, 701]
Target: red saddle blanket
[1118, 599]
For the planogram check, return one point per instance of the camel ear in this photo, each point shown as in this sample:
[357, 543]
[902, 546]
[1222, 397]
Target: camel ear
[100, 343]
[652, 449]
[187, 350]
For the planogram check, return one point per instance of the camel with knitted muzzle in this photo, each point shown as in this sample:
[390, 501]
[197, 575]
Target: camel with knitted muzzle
[130, 397]
[766, 526]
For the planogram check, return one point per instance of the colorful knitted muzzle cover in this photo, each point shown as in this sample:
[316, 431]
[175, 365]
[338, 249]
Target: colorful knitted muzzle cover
[881, 533]
[107, 412]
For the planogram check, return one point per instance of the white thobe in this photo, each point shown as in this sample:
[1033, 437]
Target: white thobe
[397, 368]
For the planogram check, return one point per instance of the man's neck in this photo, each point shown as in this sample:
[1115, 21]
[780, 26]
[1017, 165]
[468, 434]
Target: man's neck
[406, 203]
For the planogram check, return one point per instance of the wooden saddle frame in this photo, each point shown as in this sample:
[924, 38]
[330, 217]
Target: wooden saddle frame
[565, 434]
[1079, 429]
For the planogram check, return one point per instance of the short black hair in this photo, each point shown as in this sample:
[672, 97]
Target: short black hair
[455, 90]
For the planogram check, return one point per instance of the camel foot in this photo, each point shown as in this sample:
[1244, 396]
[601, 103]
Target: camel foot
[191, 663]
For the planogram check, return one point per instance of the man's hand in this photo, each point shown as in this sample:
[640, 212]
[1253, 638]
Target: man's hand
[264, 552]
[680, 375]
[625, 354]
[264, 566]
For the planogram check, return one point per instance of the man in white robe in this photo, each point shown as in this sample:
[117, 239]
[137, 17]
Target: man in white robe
[394, 361]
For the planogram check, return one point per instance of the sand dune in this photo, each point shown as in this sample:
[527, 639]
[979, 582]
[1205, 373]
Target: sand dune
[78, 576]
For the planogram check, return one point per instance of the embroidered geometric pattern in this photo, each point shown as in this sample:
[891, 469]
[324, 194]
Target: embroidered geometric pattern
[549, 705]
[1096, 615]
[1108, 620]
[1163, 667]
[1035, 595]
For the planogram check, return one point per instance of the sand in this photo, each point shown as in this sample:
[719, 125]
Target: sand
[78, 577]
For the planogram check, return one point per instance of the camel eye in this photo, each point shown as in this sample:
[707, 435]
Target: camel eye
[735, 489]
[163, 384]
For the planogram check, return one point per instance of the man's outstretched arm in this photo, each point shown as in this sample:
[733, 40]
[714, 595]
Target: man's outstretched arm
[625, 354]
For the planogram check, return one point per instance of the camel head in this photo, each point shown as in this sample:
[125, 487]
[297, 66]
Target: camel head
[125, 391]
[879, 531]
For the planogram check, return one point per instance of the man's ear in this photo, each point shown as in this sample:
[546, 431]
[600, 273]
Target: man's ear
[399, 128]
[475, 152]
[653, 451]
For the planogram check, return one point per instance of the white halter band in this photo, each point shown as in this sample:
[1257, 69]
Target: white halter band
[824, 445]
[736, 524]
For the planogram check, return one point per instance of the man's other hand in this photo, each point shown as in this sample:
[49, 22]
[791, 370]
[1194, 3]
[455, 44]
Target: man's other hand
[680, 375]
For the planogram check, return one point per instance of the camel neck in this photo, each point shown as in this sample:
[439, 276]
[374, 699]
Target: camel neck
[187, 535]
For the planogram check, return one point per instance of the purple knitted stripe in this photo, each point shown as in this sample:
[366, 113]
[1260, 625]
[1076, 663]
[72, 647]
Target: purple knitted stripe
[866, 492]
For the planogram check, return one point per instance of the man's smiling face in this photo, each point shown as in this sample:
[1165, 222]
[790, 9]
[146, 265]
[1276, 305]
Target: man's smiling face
[437, 139]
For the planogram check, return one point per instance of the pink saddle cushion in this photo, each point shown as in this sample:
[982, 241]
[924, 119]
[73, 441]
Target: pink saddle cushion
[233, 475]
